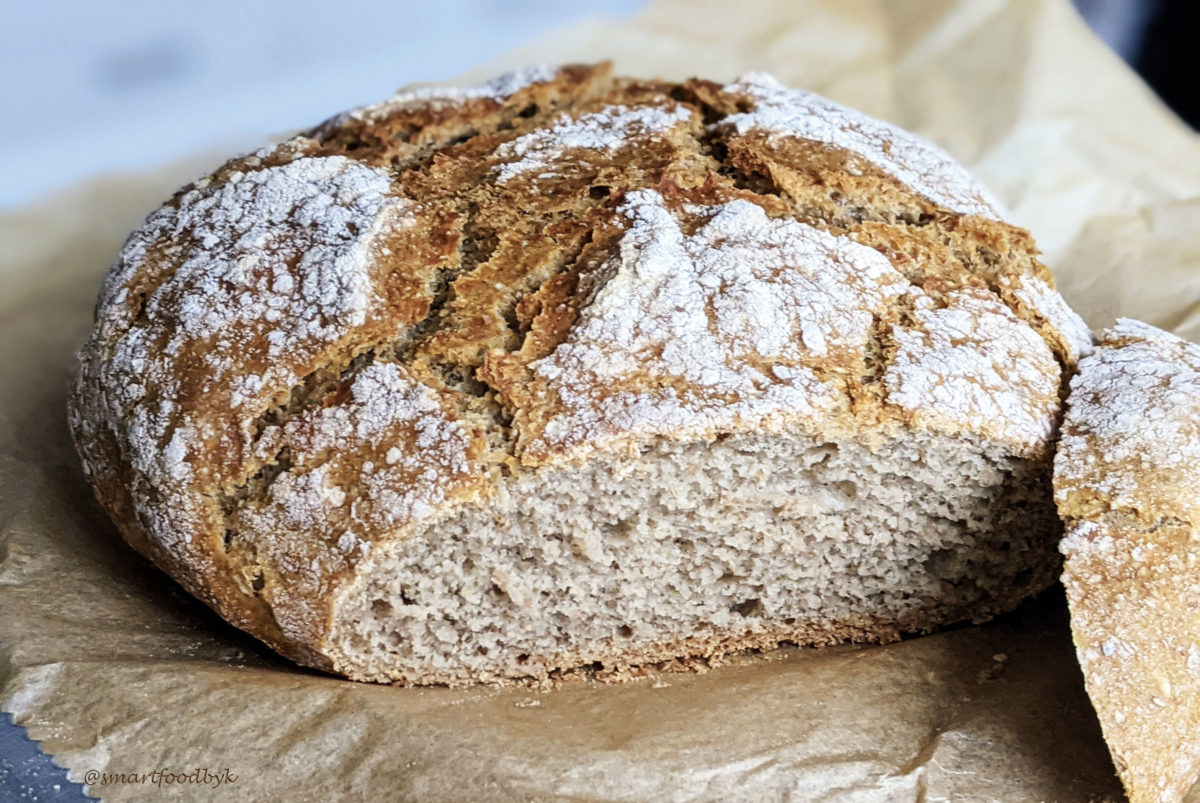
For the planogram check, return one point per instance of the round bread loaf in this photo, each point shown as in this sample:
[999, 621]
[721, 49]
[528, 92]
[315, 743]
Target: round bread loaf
[570, 371]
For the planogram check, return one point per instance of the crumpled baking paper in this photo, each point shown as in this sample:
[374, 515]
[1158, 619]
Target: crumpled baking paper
[142, 692]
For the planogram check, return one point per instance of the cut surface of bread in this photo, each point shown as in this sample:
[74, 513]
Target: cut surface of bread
[701, 548]
[1127, 482]
[568, 370]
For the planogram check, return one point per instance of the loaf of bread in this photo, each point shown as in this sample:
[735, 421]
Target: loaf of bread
[573, 372]
[1127, 482]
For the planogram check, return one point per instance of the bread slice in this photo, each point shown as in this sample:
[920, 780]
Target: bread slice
[569, 370]
[1127, 482]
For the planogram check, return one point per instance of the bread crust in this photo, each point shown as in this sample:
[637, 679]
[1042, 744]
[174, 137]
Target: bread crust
[1126, 484]
[332, 342]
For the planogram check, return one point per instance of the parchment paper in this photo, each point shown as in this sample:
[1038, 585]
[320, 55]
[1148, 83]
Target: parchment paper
[115, 670]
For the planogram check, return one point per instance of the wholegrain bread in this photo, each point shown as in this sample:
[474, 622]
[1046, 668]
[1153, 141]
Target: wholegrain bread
[1127, 481]
[571, 371]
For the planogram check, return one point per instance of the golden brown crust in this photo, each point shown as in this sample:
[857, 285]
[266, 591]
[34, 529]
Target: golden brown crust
[443, 250]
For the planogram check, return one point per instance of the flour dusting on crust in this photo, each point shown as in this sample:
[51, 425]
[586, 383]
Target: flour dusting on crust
[1132, 429]
[270, 266]
[749, 321]
[974, 361]
[286, 250]
[1046, 301]
[920, 165]
[1085, 536]
[609, 130]
[717, 330]
[498, 89]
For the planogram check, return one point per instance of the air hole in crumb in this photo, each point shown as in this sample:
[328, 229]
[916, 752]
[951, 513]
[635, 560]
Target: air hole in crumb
[406, 599]
[381, 607]
[258, 582]
[481, 650]
[522, 658]
[943, 564]
[468, 564]
[846, 488]
[599, 191]
[528, 111]
[625, 631]
[622, 528]
[353, 228]
[228, 539]
[750, 607]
